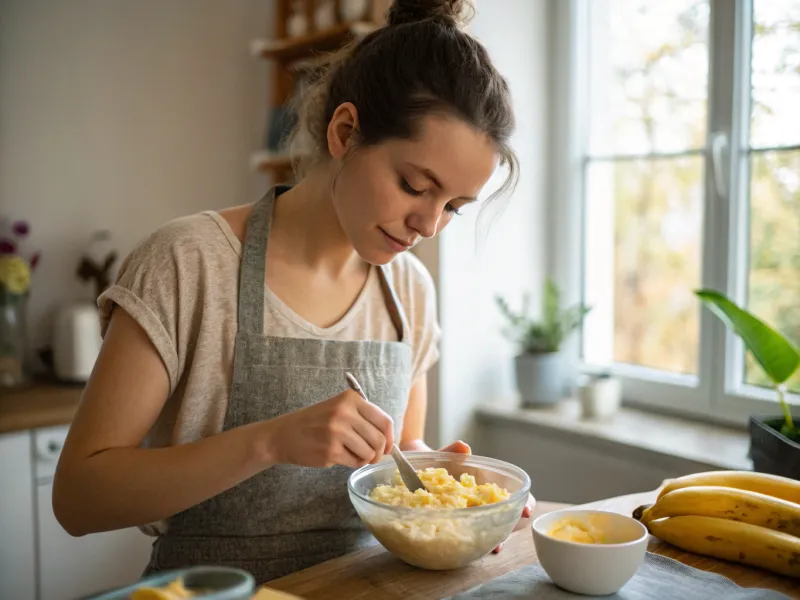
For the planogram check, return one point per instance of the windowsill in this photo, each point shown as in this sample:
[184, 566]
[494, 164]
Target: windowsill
[714, 445]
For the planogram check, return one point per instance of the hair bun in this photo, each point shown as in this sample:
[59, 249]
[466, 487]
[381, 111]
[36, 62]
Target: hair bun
[452, 12]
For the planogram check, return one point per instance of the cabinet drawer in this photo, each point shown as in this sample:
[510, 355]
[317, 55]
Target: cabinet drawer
[17, 555]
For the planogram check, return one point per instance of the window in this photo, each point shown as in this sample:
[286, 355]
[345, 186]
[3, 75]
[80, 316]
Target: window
[771, 160]
[685, 168]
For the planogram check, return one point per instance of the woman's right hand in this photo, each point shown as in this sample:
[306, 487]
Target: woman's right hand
[343, 430]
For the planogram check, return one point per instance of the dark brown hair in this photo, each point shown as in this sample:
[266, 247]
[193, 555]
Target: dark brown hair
[420, 63]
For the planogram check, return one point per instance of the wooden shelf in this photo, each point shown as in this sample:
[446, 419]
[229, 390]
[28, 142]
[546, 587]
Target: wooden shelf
[292, 61]
[305, 45]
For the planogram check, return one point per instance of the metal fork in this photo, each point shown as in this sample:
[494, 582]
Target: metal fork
[407, 472]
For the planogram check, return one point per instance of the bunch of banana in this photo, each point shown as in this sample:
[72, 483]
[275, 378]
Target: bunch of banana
[741, 516]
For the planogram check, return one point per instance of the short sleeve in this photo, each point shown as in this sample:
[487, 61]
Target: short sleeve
[423, 319]
[157, 286]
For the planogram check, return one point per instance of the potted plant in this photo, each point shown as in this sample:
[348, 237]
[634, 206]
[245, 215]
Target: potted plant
[539, 365]
[774, 441]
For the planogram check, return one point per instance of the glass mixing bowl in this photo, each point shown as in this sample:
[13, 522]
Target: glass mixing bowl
[441, 538]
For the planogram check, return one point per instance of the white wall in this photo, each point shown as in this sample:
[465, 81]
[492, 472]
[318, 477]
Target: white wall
[577, 469]
[122, 115]
[476, 363]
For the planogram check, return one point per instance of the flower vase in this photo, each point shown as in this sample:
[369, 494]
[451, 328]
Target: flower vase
[12, 338]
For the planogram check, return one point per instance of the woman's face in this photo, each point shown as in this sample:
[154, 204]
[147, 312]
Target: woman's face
[390, 196]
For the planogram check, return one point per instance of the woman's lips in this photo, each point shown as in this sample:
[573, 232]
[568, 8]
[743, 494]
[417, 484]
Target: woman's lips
[396, 244]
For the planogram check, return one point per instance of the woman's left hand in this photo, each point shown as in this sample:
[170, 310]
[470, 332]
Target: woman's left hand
[463, 448]
[527, 511]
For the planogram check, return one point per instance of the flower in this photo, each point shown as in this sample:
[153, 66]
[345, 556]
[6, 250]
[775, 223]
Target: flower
[15, 275]
[14, 242]
[7, 246]
[21, 229]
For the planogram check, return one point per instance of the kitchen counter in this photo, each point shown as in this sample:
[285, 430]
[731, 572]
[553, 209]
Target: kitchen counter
[374, 573]
[38, 405]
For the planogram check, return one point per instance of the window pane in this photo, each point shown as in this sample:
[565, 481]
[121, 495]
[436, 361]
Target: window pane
[642, 258]
[775, 77]
[648, 75]
[774, 281]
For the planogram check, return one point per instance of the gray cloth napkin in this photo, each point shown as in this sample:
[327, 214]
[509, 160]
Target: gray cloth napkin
[659, 578]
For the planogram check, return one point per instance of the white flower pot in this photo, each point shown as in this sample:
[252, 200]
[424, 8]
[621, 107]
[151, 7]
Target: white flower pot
[600, 397]
[540, 378]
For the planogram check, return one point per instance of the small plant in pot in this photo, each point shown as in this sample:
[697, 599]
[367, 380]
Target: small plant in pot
[774, 441]
[540, 365]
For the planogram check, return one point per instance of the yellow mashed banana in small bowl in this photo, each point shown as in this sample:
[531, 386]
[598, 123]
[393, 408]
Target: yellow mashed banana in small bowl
[590, 552]
[470, 505]
[594, 529]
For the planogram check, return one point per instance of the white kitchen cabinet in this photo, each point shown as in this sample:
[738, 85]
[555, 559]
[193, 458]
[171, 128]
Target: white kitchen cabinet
[17, 555]
[72, 567]
[76, 567]
[38, 559]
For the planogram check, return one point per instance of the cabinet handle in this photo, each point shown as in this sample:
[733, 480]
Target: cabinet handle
[49, 449]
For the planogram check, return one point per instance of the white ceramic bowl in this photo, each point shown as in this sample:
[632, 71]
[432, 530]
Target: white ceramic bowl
[591, 569]
[441, 538]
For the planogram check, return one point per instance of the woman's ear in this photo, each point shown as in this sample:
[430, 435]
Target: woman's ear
[342, 130]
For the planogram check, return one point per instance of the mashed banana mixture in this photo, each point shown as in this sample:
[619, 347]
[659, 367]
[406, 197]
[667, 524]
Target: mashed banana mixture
[174, 590]
[443, 491]
[424, 539]
[590, 531]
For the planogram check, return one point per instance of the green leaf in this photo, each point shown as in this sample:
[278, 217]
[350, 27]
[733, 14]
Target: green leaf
[776, 355]
[573, 317]
[552, 303]
[790, 432]
[545, 334]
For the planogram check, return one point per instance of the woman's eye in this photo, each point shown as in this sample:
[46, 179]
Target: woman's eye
[408, 189]
[451, 209]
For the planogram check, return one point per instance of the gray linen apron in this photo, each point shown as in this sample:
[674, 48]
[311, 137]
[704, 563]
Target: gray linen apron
[286, 518]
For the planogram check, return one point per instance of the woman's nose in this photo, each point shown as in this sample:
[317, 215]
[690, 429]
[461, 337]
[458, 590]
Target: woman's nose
[426, 222]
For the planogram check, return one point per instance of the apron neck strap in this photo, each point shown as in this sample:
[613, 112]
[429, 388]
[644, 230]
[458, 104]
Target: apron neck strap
[392, 303]
[254, 262]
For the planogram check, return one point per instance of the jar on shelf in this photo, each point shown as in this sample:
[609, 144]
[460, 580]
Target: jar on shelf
[324, 15]
[353, 10]
[13, 312]
[297, 23]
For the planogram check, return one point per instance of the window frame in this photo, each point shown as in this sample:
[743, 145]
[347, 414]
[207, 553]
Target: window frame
[718, 392]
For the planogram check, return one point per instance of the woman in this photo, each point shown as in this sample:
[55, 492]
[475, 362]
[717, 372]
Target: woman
[218, 416]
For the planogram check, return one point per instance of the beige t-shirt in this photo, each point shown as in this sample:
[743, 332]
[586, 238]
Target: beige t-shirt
[181, 285]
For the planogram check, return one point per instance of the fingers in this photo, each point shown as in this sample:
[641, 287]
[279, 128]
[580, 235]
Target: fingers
[529, 505]
[458, 447]
[372, 436]
[379, 419]
[346, 458]
[527, 512]
[352, 441]
[498, 548]
[521, 524]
